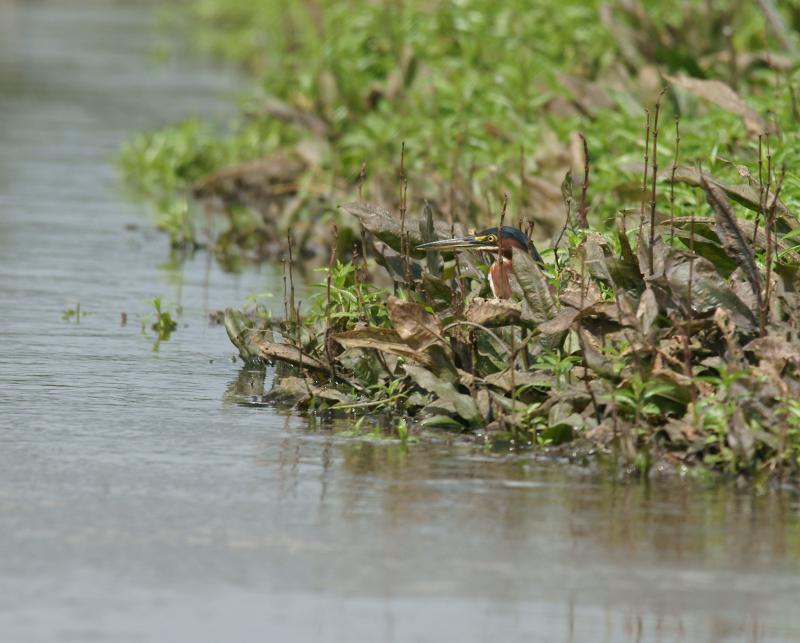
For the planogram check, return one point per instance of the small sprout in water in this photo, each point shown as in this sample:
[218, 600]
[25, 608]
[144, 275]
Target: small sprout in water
[75, 313]
[162, 321]
[402, 429]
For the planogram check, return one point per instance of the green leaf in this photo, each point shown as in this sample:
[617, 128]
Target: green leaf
[464, 405]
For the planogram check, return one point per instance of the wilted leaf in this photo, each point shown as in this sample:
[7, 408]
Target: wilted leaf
[464, 405]
[647, 312]
[432, 257]
[378, 221]
[733, 240]
[704, 231]
[537, 301]
[415, 327]
[285, 353]
[708, 290]
[239, 328]
[435, 288]
[566, 189]
[743, 194]
[774, 348]
[394, 263]
[384, 340]
[493, 312]
[680, 432]
[593, 358]
[561, 419]
[723, 96]
[561, 323]
[504, 380]
[299, 390]
[624, 270]
[290, 389]
[596, 260]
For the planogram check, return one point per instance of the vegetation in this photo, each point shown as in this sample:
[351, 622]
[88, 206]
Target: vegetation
[74, 313]
[651, 148]
[161, 322]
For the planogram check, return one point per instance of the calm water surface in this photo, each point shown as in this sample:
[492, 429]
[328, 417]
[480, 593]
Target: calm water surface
[140, 502]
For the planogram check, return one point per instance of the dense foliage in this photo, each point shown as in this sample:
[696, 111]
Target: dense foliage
[667, 326]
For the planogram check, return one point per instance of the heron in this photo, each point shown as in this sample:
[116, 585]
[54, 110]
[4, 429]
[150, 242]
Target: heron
[498, 240]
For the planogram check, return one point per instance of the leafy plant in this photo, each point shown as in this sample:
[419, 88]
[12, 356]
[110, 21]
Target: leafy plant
[161, 322]
[74, 313]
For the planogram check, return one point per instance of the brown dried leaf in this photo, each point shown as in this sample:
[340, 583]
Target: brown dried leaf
[744, 195]
[774, 348]
[301, 389]
[561, 323]
[384, 340]
[722, 95]
[708, 289]
[594, 358]
[705, 226]
[537, 302]
[379, 222]
[647, 312]
[493, 312]
[504, 381]
[285, 353]
[733, 240]
[596, 258]
[415, 327]
[394, 262]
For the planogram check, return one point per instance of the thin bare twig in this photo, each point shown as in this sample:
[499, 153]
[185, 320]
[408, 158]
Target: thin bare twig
[362, 176]
[672, 179]
[769, 224]
[582, 210]
[292, 307]
[654, 180]
[328, 330]
[523, 193]
[644, 173]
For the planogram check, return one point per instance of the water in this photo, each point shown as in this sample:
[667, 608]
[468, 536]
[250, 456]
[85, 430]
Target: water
[140, 502]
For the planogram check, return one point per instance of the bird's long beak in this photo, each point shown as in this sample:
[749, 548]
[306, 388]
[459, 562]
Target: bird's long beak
[457, 243]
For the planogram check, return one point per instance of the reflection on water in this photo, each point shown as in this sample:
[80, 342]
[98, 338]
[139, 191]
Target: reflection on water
[158, 497]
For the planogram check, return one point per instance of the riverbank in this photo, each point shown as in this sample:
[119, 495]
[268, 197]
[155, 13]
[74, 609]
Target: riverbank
[657, 176]
[156, 497]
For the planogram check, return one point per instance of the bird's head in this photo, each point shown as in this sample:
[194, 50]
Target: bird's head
[489, 240]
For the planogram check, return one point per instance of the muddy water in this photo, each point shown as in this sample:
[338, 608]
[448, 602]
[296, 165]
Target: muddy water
[140, 502]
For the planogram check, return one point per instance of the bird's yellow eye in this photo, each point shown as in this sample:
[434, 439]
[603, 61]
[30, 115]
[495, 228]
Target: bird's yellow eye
[491, 239]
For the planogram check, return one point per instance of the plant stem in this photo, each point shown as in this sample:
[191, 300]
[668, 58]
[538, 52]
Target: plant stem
[672, 179]
[655, 180]
[582, 211]
[292, 307]
[331, 266]
[644, 173]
